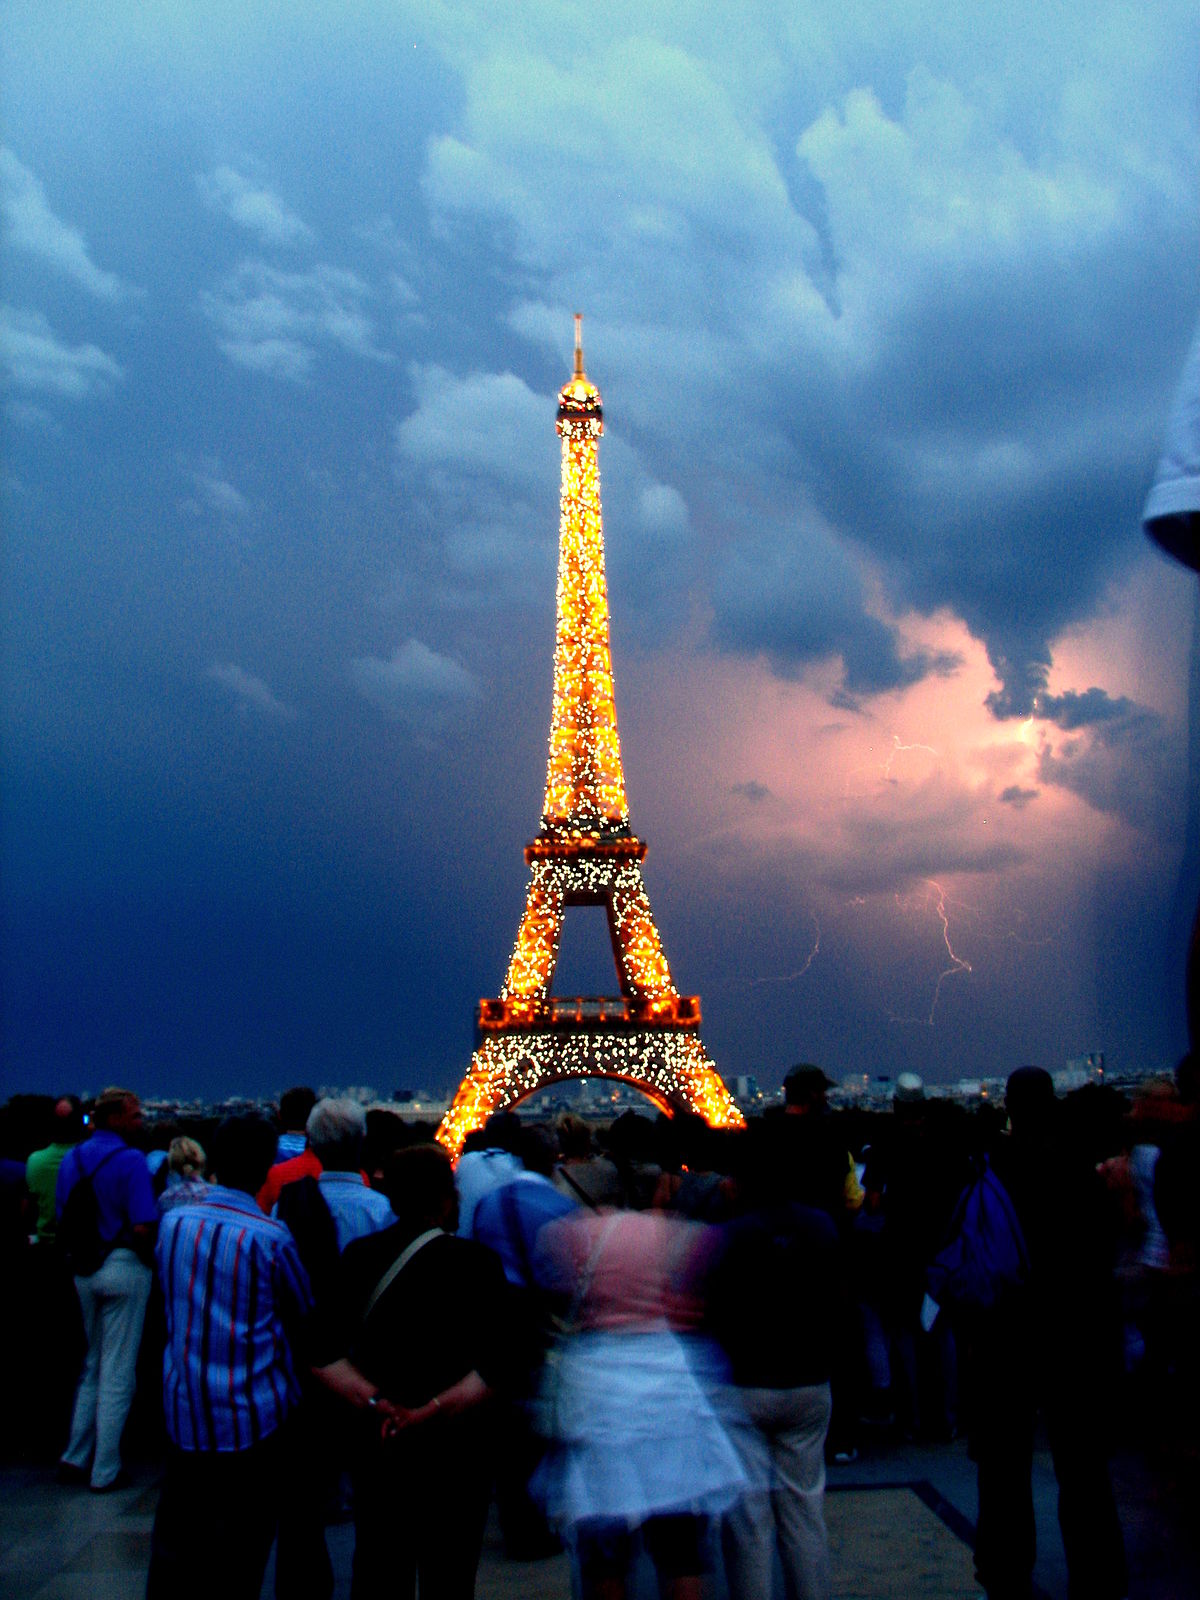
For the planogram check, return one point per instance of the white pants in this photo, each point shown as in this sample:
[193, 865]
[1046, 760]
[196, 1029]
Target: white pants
[785, 1449]
[113, 1301]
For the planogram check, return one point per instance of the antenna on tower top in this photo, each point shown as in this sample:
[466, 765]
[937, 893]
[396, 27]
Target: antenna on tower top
[579, 344]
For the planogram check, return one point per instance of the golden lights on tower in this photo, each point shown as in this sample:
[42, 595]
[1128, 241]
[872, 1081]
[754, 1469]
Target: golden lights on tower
[584, 780]
[586, 854]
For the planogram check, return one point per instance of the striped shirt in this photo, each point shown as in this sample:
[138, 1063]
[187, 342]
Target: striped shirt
[235, 1294]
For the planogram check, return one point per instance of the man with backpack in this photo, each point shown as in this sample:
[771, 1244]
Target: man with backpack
[106, 1226]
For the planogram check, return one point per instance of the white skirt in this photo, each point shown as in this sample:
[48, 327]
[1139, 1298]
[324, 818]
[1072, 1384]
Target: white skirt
[640, 1431]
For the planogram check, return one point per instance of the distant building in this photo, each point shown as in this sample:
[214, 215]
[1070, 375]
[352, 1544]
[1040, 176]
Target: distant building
[854, 1087]
[1091, 1066]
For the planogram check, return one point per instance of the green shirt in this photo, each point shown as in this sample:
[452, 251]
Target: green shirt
[41, 1179]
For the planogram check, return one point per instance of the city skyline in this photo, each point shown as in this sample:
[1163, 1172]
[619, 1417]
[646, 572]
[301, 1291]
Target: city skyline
[887, 309]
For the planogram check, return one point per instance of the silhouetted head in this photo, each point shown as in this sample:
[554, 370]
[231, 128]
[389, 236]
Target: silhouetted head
[1029, 1100]
[574, 1137]
[67, 1120]
[805, 1088]
[538, 1151]
[502, 1131]
[419, 1183]
[294, 1107]
[242, 1150]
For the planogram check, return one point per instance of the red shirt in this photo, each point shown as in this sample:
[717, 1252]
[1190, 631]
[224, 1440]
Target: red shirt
[305, 1165]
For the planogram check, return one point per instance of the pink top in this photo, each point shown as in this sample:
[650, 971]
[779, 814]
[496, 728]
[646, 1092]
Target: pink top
[641, 1268]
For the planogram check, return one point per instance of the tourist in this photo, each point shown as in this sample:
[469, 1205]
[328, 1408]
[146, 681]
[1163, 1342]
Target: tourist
[236, 1296]
[1052, 1346]
[774, 1296]
[418, 1340]
[921, 1175]
[489, 1158]
[825, 1175]
[640, 1450]
[830, 1175]
[42, 1166]
[337, 1134]
[186, 1182]
[114, 1296]
[582, 1172]
[509, 1220]
[293, 1158]
[53, 1342]
[325, 1214]
[294, 1108]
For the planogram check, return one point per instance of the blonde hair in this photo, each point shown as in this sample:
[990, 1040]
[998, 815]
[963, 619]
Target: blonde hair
[186, 1157]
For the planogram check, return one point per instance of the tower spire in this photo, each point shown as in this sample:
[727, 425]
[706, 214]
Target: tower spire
[585, 784]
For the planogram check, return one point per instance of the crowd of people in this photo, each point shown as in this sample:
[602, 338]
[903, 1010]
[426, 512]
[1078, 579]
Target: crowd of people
[645, 1342]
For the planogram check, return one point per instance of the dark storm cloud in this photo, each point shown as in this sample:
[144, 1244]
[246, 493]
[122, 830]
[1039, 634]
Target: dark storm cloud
[977, 406]
[982, 459]
[751, 790]
[1016, 796]
[799, 600]
[1074, 710]
[1122, 763]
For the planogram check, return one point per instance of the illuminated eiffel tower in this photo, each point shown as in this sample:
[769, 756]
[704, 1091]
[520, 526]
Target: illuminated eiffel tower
[586, 855]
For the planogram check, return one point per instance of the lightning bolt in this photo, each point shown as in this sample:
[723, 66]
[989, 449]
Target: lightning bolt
[885, 767]
[791, 977]
[899, 749]
[957, 963]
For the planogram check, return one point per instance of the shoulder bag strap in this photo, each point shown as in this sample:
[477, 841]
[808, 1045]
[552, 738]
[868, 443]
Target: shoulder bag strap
[398, 1266]
[579, 1189]
[88, 1174]
[588, 1273]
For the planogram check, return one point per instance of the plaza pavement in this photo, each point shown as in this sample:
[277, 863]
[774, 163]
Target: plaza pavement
[899, 1520]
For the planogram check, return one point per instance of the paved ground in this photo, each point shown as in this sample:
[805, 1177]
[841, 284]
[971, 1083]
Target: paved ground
[899, 1522]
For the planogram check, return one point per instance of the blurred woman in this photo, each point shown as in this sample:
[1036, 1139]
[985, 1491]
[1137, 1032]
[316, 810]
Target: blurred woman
[639, 1447]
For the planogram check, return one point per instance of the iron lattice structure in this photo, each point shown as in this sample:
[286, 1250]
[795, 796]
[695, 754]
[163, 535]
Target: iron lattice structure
[586, 854]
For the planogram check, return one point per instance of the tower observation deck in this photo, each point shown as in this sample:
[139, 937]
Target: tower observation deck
[585, 853]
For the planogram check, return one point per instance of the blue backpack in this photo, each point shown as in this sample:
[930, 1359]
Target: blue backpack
[985, 1258]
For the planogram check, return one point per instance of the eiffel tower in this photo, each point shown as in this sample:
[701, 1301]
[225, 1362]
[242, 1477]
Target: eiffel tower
[586, 855]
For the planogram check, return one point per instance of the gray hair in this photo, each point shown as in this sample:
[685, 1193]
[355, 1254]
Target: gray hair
[336, 1131]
